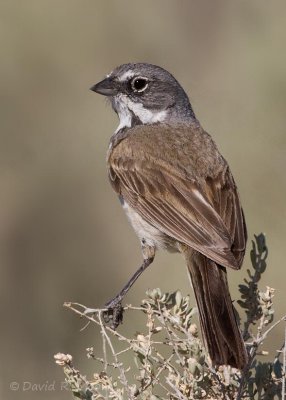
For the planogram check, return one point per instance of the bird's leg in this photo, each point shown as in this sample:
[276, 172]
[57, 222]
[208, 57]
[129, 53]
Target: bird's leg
[114, 314]
[118, 298]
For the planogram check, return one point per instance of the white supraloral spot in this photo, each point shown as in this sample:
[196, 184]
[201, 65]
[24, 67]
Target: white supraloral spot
[127, 75]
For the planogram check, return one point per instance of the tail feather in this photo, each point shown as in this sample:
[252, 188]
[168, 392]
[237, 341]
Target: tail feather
[219, 327]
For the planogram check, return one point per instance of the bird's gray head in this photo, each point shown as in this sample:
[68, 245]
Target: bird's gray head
[145, 94]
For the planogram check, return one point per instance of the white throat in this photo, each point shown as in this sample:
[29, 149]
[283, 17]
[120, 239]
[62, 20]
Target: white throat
[126, 108]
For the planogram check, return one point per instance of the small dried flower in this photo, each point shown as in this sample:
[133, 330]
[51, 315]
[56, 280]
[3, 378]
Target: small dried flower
[63, 359]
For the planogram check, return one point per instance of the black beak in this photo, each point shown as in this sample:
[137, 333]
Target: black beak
[107, 87]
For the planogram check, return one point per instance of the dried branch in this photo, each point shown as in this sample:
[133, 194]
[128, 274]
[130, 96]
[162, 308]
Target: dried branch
[170, 359]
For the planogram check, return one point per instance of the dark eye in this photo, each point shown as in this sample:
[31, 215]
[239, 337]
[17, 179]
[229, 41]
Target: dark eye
[139, 84]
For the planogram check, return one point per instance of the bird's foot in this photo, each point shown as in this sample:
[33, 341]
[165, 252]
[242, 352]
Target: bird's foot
[113, 316]
[112, 312]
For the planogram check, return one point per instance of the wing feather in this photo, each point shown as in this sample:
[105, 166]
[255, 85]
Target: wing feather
[203, 213]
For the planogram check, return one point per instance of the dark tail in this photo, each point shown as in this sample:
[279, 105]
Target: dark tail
[219, 327]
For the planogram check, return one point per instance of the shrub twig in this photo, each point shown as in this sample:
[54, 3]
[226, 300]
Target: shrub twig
[170, 359]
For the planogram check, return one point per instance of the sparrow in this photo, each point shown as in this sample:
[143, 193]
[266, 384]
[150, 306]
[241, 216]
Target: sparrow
[179, 194]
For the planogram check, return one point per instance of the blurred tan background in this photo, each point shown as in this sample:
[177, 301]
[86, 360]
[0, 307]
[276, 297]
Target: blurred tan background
[63, 235]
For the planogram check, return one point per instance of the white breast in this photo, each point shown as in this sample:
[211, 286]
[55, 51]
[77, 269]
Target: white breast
[148, 234]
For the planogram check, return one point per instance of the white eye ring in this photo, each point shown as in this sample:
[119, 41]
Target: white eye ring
[139, 84]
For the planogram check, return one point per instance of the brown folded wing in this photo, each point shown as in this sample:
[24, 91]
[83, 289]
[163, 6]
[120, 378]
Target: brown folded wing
[202, 213]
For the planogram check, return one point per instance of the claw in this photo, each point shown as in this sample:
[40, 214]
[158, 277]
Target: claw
[114, 314]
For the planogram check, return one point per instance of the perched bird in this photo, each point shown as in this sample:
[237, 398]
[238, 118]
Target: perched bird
[179, 194]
